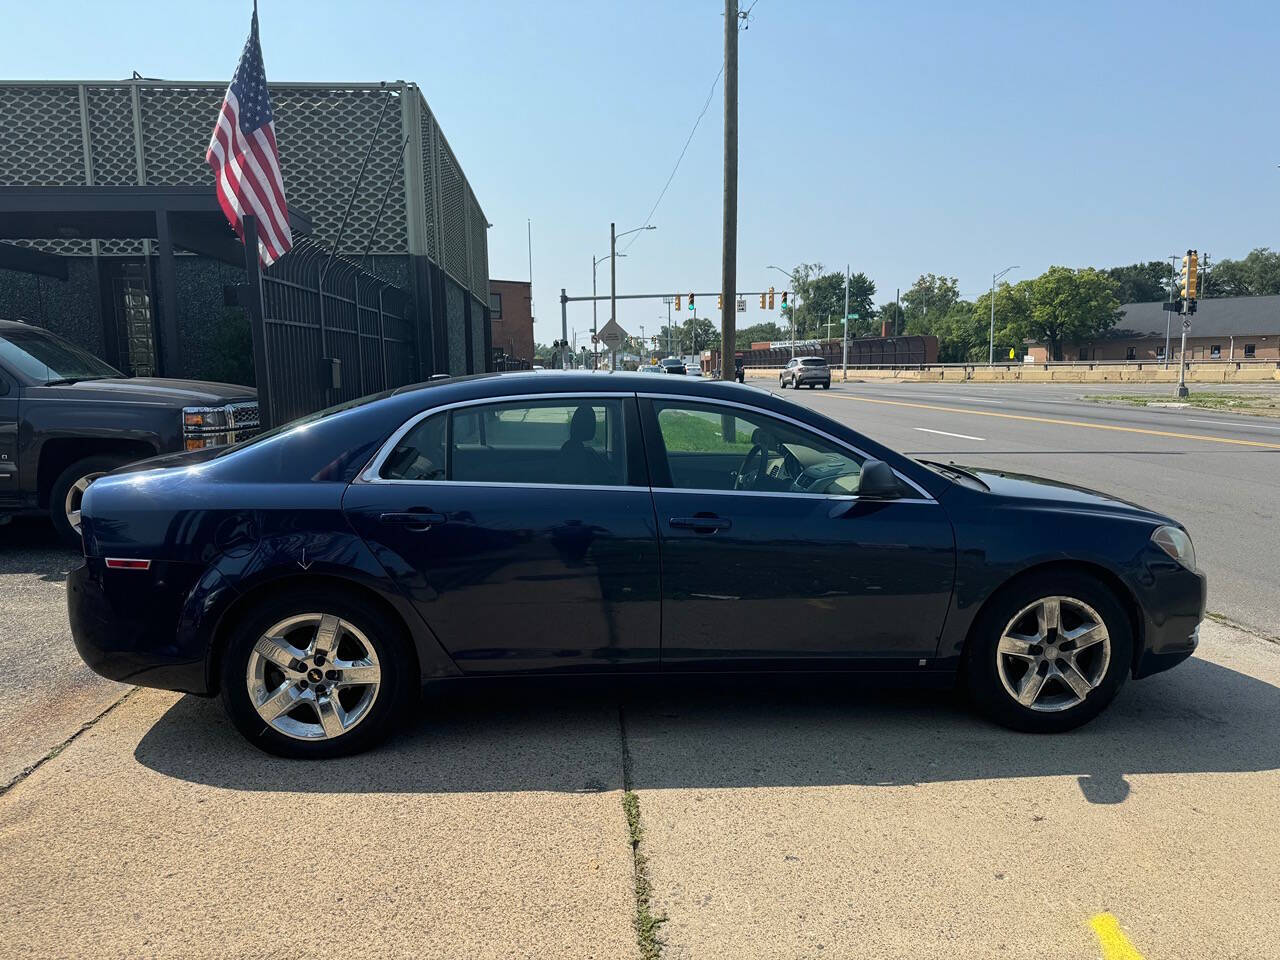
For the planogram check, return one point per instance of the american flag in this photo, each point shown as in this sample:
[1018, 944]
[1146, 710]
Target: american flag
[243, 155]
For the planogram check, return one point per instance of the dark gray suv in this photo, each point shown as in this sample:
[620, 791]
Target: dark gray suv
[805, 372]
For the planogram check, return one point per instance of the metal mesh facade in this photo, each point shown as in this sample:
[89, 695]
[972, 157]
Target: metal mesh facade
[149, 132]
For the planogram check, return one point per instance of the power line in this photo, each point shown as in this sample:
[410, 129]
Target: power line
[711, 93]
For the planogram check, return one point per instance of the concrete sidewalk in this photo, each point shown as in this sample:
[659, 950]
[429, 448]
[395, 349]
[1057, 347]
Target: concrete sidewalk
[838, 826]
[488, 832]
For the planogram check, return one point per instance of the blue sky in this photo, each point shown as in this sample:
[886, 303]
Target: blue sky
[901, 137]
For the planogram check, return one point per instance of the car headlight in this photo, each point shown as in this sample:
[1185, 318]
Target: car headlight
[1176, 543]
[202, 419]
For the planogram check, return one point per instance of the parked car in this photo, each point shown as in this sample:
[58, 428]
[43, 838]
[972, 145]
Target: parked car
[651, 368]
[67, 418]
[565, 523]
[673, 365]
[805, 372]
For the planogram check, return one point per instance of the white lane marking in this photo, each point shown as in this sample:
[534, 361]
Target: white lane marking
[950, 396]
[1235, 423]
[962, 436]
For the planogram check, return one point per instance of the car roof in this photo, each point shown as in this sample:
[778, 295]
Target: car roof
[523, 382]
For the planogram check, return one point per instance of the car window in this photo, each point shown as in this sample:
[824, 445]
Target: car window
[713, 447]
[50, 359]
[529, 442]
[813, 362]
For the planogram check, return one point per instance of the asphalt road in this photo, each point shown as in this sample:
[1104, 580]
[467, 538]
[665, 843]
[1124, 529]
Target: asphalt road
[1216, 472]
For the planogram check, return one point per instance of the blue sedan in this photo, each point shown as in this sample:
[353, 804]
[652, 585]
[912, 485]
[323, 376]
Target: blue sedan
[317, 576]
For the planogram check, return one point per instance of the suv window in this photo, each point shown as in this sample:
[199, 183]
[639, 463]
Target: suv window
[813, 362]
[712, 447]
[528, 442]
[50, 359]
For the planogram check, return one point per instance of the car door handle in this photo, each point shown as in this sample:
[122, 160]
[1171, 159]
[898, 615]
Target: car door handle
[708, 524]
[414, 520]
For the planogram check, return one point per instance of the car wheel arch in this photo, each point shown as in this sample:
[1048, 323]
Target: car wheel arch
[1107, 577]
[244, 603]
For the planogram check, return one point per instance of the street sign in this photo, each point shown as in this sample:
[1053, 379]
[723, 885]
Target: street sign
[612, 335]
[742, 304]
[1186, 324]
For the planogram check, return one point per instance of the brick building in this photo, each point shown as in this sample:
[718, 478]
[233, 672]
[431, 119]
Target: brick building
[511, 321]
[1225, 328]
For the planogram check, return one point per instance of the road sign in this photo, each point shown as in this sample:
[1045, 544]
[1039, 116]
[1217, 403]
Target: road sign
[742, 304]
[1186, 324]
[612, 335]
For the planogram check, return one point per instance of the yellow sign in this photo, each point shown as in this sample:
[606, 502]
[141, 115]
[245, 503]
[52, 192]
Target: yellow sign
[1012, 355]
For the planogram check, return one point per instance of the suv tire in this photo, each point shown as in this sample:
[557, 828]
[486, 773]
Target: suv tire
[68, 490]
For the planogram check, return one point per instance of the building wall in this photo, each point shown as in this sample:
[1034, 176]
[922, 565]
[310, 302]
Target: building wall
[1266, 347]
[513, 330]
[131, 133]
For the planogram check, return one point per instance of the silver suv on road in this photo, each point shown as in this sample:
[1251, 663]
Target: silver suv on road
[805, 372]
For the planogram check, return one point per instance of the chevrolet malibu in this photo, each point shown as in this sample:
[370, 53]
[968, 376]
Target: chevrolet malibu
[317, 576]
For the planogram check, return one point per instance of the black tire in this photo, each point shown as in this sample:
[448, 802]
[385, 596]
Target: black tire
[980, 674]
[88, 467]
[826, 386]
[396, 692]
[782, 384]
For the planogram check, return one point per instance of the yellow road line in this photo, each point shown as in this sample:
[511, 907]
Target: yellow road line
[1065, 423]
[1115, 945]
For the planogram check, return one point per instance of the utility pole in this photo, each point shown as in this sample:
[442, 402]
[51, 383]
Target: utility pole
[564, 326]
[613, 273]
[897, 311]
[667, 301]
[729, 255]
[844, 363]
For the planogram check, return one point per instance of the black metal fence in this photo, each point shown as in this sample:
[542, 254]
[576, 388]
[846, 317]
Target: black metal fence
[327, 331]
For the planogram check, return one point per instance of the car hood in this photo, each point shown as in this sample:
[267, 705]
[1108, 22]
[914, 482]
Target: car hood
[181, 393]
[1023, 486]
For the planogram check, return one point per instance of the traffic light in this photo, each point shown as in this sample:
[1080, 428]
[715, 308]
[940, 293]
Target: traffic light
[719, 301]
[1193, 274]
[762, 296]
[691, 305]
[677, 301]
[771, 298]
[784, 301]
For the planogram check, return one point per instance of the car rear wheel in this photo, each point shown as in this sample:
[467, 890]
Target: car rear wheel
[67, 493]
[1049, 654]
[313, 674]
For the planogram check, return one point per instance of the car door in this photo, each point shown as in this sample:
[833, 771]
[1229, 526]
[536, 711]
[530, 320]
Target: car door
[523, 530]
[9, 492]
[770, 560]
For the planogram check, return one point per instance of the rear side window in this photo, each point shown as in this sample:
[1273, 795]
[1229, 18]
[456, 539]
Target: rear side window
[562, 441]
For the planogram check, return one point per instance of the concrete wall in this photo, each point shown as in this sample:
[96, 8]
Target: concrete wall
[1212, 372]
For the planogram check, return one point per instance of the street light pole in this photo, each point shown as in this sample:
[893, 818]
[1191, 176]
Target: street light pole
[613, 267]
[844, 363]
[1168, 314]
[991, 343]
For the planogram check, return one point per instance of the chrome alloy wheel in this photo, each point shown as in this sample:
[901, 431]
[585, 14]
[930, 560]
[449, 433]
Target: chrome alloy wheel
[313, 676]
[75, 497]
[1053, 654]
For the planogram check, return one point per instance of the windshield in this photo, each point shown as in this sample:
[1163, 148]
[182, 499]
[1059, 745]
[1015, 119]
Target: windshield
[50, 359]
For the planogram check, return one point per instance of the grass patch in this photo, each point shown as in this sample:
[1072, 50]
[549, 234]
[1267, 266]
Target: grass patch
[689, 432]
[646, 922]
[1258, 404]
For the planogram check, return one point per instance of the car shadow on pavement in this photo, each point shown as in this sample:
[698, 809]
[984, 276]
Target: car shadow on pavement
[29, 545]
[1198, 718]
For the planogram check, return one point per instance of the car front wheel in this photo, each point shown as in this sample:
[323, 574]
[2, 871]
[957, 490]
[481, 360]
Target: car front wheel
[315, 674]
[1049, 654]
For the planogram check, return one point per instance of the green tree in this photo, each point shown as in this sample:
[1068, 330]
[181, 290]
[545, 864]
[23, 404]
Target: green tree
[930, 296]
[821, 298]
[1257, 275]
[697, 334]
[1141, 282]
[1070, 305]
[767, 331]
[1012, 321]
[892, 317]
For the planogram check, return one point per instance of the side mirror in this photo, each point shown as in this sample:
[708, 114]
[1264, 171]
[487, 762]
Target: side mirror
[878, 481]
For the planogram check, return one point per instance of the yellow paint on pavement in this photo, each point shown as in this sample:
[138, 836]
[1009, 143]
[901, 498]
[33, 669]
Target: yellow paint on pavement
[1066, 423]
[1115, 945]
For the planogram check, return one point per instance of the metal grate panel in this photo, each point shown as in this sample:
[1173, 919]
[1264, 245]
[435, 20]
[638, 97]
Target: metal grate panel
[426, 138]
[454, 226]
[111, 137]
